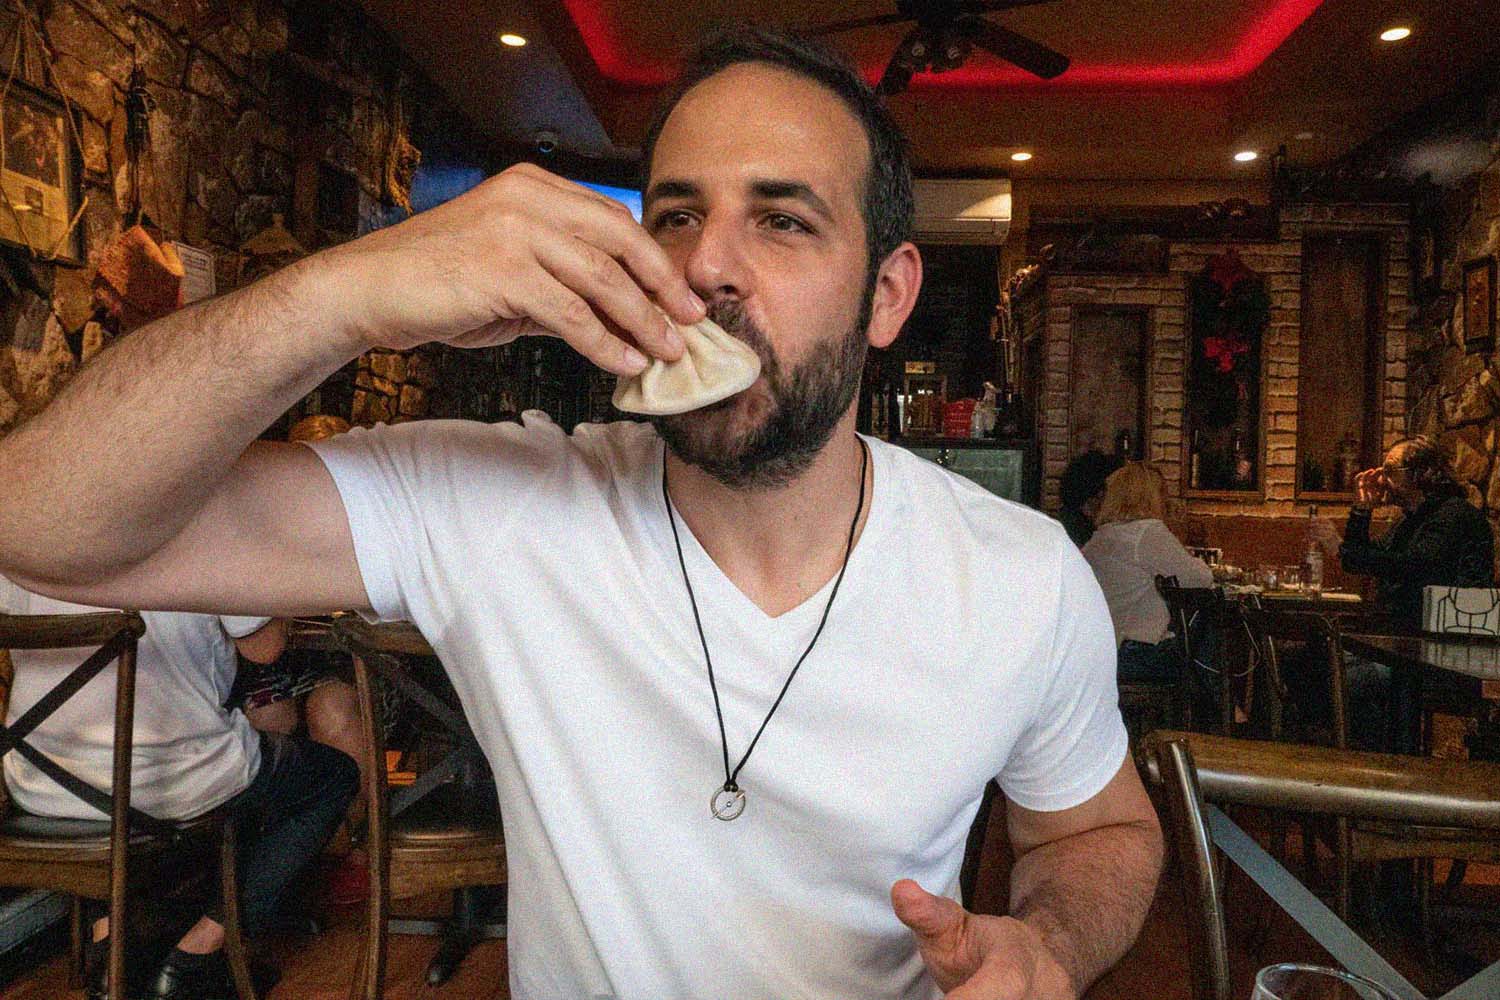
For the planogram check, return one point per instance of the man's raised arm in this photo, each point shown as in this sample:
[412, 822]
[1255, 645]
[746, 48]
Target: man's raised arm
[136, 488]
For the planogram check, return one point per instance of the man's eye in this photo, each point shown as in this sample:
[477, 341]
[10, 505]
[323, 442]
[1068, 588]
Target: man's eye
[673, 220]
[783, 223]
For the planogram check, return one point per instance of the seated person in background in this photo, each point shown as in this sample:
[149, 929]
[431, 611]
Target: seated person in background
[1080, 490]
[191, 755]
[1440, 540]
[1129, 549]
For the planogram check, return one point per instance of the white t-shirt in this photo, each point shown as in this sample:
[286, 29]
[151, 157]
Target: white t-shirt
[968, 641]
[190, 754]
[1126, 557]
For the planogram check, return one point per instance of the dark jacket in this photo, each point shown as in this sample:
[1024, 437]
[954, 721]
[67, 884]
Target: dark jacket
[1445, 542]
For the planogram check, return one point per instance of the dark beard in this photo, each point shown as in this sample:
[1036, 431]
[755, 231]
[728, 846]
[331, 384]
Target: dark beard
[807, 403]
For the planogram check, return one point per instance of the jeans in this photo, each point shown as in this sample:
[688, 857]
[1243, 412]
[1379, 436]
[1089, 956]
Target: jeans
[1367, 693]
[1141, 661]
[284, 817]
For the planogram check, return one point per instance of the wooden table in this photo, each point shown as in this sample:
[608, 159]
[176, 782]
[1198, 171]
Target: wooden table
[1321, 602]
[1476, 658]
[1466, 666]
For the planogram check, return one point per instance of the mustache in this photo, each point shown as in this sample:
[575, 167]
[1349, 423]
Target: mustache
[731, 315]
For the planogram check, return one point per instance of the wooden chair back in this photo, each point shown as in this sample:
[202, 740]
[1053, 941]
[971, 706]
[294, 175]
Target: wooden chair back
[1190, 611]
[114, 636]
[1270, 632]
[65, 855]
[402, 866]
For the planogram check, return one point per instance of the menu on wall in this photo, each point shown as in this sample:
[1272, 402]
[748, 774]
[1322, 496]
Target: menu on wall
[197, 273]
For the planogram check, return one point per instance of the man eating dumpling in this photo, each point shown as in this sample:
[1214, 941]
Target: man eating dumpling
[742, 675]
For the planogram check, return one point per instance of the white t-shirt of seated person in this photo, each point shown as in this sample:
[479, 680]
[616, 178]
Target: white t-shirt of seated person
[191, 754]
[968, 641]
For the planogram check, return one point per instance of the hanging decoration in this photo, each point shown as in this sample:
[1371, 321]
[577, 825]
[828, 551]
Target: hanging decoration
[41, 202]
[401, 157]
[139, 279]
[1229, 310]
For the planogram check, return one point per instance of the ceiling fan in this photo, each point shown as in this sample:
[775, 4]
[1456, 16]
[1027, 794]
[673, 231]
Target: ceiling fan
[946, 32]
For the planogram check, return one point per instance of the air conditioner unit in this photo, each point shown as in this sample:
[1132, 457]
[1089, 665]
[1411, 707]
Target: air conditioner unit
[963, 211]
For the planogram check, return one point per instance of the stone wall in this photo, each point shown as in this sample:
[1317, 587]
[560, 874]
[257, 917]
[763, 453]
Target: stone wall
[1164, 296]
[255, 104]
[1456, 395]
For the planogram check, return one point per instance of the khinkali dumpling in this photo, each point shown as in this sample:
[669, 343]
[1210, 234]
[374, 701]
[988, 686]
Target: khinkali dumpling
[713, 366]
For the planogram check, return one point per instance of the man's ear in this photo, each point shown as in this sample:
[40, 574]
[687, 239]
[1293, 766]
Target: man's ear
[896, 288]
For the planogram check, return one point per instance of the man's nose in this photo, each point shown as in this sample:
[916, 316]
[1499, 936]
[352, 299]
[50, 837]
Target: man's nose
[716, 266]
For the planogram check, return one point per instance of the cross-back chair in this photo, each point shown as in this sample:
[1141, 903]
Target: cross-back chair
[110, 859]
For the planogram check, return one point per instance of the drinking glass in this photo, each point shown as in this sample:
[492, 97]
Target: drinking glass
[1311, 982]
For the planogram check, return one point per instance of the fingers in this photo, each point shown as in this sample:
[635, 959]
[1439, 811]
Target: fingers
[574, 209]
[930, 917]
[562, 312]
[652, 269]
[599, 278]
[593, 247]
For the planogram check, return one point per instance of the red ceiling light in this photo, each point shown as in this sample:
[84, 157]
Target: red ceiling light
[1277, 20]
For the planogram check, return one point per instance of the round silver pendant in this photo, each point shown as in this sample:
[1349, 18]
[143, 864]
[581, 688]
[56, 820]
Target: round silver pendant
[727, 804]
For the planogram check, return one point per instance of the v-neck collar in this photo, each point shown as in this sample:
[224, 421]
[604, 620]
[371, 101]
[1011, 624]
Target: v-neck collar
[716, 588]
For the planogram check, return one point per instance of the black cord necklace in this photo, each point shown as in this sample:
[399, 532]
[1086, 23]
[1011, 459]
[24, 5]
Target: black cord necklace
[728, 801]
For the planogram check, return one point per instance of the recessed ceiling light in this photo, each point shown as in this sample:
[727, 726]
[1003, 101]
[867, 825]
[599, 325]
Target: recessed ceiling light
[1395, 34]
[1246, 155]
[514, 41]
[1021, 156]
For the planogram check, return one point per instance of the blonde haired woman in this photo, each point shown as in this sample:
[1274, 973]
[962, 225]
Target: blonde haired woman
[1130, 547]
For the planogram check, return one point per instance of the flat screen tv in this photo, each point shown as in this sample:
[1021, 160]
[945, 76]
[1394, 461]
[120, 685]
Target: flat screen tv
[439, 180]
[629, 197]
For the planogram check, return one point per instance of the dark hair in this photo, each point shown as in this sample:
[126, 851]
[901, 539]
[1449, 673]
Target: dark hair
[887, 207]
[1083, 478]
[1426, 465]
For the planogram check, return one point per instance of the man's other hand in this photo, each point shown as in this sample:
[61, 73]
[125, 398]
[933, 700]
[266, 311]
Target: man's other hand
[975, 957]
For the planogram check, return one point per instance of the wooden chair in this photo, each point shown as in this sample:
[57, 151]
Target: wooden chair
[1271, 632]
[1191, 610]
[1454, 801]
[430, 840]
[102, 859]
[1152, 704]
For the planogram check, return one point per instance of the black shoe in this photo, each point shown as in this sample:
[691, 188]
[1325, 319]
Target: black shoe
[206, 977]
[96, 961]
[196, 977]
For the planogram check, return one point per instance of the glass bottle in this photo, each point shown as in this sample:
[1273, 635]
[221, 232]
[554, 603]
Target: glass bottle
[1312, 562]
[1242, 466]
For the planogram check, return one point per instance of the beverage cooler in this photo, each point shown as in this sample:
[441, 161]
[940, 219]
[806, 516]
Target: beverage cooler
[1007, 467]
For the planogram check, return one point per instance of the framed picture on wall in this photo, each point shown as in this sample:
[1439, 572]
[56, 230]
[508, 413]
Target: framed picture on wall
[1479, 306]
[39, 171]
